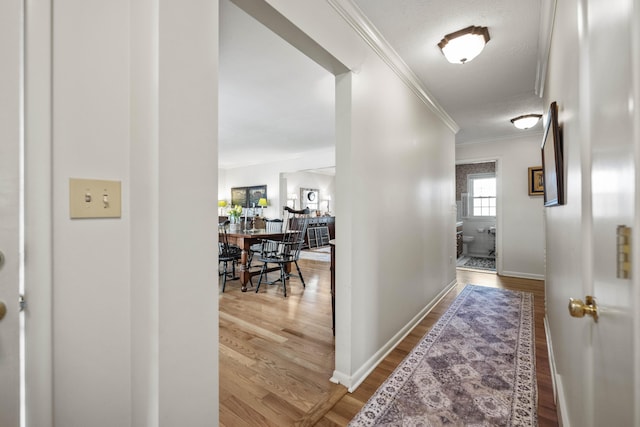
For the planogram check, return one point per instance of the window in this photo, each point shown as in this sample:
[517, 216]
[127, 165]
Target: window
[482, 194]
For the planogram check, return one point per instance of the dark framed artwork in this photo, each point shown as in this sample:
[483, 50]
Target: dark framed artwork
[255, 194]
[239, 196]
[552, 163]
[536, 181]
[248, 197]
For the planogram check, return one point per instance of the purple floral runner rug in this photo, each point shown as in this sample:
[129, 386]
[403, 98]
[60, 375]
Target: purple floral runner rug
[475, 367]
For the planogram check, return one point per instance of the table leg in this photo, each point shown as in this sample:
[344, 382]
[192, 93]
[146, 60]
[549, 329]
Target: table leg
[245, 274]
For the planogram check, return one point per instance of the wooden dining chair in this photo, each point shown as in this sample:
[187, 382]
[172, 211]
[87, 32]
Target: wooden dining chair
[227, 253]
[271, 226]
[286, 250]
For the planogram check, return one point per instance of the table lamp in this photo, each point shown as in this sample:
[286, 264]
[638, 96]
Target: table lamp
[221, 204]
[262, 203]
[293, 197]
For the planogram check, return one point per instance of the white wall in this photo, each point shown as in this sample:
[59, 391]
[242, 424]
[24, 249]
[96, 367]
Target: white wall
[325, 184]
[134, 299]
[392, 261]
[564, 225]
[92, 304]
[134, 304]
[520, 231]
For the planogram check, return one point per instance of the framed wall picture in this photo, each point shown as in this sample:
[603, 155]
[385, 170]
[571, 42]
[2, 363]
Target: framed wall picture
[248, 197]
[255, 194]
[239, 196]
[536, 181]
[552, 162]
[309, 198]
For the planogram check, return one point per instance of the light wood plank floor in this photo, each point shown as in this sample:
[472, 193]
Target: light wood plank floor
[276, 354]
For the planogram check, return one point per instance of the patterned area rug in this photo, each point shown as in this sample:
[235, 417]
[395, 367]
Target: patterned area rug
[476, 367]
[317, 254]
[480, 263]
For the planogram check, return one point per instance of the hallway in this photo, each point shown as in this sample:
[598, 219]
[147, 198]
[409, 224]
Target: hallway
[349, 405]
[276, 354]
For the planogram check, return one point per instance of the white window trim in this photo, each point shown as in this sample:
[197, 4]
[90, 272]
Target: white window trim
[470, 179]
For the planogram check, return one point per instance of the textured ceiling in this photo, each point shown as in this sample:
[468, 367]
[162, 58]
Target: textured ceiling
[275, 103]
[484, 94]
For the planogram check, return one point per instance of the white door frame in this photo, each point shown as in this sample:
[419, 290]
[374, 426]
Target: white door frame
[499, 227]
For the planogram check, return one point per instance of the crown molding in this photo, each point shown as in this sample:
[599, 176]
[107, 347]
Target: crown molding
[526, 135]
[352, 14]
[547, 17]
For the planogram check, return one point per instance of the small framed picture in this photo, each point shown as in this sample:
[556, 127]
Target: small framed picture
[536, 181]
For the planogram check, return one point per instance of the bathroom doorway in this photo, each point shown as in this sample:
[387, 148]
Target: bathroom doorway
[477, 207]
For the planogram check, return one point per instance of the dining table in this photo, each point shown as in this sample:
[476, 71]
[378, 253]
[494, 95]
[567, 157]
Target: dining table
[244, 239]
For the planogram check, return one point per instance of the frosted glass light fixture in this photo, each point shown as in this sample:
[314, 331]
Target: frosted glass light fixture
[462, 46]
[526, 121]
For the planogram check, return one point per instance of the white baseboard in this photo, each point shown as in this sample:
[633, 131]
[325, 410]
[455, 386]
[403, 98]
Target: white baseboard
[340, 378]
[556, 380]
[522, 275]
[353, 381]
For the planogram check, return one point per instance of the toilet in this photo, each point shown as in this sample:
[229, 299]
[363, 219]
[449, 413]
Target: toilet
[465, 243]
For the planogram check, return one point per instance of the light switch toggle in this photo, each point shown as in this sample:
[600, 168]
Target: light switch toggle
[85, 201]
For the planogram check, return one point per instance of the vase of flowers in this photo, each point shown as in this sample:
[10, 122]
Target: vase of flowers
[235, 213]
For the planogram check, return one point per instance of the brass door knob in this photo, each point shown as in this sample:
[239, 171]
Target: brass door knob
[3, 309]
[577, 308]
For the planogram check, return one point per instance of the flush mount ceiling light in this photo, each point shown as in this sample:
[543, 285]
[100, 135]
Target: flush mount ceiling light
[464, 45]
[526, 121]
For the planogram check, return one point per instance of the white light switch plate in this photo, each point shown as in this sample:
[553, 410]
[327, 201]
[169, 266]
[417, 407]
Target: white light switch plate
[93, 198]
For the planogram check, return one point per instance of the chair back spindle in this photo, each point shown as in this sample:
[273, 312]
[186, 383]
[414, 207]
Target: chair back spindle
[286, 250]
[227, 253]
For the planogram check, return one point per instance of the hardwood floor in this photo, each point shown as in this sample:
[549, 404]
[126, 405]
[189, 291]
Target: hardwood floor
[277, 355]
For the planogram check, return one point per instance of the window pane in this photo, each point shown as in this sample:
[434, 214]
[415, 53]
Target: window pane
[483, 196]
[484, 187]
[484, 206]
